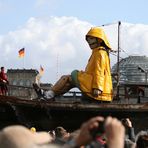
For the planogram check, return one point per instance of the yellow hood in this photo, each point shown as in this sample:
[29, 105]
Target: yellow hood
[99, 33]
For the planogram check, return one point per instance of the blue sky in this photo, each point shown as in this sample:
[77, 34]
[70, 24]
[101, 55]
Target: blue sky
[15, 13]
[53, 32]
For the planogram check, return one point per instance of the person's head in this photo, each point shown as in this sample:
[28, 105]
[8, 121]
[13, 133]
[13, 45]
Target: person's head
[142, 139]
[61, 133]
[2, 69]
[96, 37]
[93, 41]
[126, 122]
[52, 134]
[17, 136]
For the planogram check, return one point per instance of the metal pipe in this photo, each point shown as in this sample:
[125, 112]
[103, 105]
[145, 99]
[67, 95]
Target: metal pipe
[118, 61]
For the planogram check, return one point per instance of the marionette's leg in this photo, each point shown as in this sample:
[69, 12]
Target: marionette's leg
[39, 91]
[63, 85]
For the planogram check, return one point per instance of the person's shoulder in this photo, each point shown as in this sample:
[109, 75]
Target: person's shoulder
[101, 51]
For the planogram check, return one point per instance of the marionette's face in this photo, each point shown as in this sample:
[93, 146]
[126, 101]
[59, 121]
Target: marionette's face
[93, 42]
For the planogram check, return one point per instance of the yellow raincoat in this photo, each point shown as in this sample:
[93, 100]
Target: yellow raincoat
[97, 72]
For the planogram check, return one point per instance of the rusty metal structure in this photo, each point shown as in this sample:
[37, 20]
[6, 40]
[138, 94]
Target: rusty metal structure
[68, 111]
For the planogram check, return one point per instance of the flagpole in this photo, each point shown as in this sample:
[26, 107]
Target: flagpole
[57, 66]
[24, 62]
[24, 59]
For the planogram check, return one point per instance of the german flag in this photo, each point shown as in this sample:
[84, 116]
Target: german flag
[22, 53]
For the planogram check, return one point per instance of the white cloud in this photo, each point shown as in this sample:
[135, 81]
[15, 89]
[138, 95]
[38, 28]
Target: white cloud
[134, 39]
[55, 43]
[58, 44]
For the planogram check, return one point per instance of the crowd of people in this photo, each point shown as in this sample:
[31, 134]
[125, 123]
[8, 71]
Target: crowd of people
[115, 134]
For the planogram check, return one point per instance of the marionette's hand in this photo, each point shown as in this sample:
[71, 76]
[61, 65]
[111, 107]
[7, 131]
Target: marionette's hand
[96, 92]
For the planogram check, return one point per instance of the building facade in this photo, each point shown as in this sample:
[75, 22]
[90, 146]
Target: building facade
[20, 82]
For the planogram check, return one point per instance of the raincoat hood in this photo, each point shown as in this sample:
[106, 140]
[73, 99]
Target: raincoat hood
[99, 33]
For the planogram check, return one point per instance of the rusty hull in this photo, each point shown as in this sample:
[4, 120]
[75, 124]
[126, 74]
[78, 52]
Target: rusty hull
[70, 114]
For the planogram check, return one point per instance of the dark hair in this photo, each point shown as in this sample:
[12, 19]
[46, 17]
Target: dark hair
[52, 133]
[104, 45]
[124, 121]
[60, 131]
[2, 67]
[142, 140]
